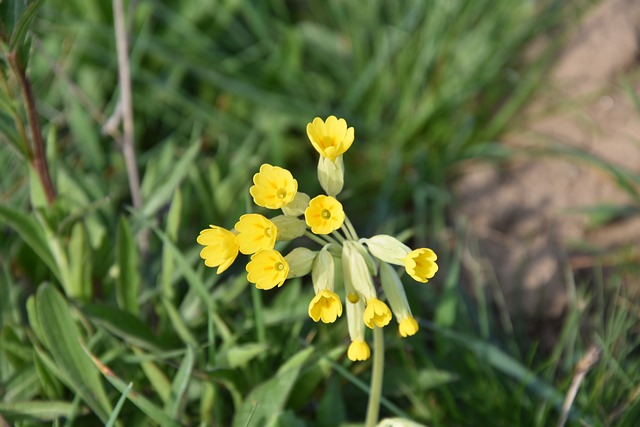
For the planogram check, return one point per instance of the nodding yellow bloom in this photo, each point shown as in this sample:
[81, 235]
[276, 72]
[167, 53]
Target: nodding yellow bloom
[325, 306]
[331, 138]
[408, 327]
[220, 247]
[358, 350]
[324, 214]
[267, 269]
[274, 187]
[377, 313]
[255, 233]
[420, 264]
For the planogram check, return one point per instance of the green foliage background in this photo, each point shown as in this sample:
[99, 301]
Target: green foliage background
[94, 330]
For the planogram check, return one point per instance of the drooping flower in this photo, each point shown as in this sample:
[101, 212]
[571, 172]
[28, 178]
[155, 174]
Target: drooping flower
[325, 306]
[420, 264]
[358, 351]
[324, 214]
[255, 233]
[377, 313]
[331, 138]
[220, 247]
[408, 327]
[274, 187]
[267, 269]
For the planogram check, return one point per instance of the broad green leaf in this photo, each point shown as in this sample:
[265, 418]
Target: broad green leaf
[31, 232]
[331, 410]
[239, 355]
[180, 385]
[41, 410]
[124, 325]
[80, 264]
[128, 283]
[173, 223]
[63, 340]
[268, 399]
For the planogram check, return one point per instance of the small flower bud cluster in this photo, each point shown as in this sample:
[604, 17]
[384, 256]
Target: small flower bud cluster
[343, 257]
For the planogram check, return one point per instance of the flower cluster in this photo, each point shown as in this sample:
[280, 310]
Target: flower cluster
[343, 257]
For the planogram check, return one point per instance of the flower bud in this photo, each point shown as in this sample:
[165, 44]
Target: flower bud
[289, 227]
[356, 273]
[297, 206]
[387, 248]
[300, 261]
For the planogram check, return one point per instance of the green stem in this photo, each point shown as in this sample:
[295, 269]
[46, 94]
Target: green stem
[316, 238]
[351, 228]
[377, 372]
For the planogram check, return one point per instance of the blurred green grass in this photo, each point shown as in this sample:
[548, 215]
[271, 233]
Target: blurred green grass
[219, 88]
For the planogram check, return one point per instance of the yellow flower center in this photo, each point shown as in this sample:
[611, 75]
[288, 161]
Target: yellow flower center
[281, 193]
[279, 266]
[267, 232]
[325, 214]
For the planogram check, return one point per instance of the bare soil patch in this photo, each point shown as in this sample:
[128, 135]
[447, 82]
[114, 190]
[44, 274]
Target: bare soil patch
[524, 213]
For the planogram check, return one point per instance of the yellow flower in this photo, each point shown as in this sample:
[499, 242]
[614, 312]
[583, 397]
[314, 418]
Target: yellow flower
[358, 350]
[408, 327]
[376, 314]
[267, 269]
[220, 247]
[324, 214]
[274, 187]
[325, 306]
[255, 233]
[420, 264]
[331, 138]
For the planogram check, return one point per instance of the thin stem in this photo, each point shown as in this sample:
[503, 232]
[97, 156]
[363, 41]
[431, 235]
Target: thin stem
[124, 75]
[351, 228]
[322, 241]
[377, 373]
[338, 236]
[39, 157]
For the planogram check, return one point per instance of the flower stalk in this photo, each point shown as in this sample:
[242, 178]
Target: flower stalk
[377, 372]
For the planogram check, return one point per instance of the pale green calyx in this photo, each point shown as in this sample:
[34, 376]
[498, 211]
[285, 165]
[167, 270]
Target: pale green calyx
[387, 248]
[331, 175]
[297, 206]
[289, 227]
[300, 261]
[356, 273]
[394, 290]
[322, 272]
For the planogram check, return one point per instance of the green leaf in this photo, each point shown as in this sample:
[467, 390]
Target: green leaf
[239, 355]
[173, 223]
[128, 283]
[41, 410]
[170, 182]
[114, 415]
[32, 233]
[268, 399]
[180, 385]
[155, 413]
[63, 340]
[24, 22]
[124, 325]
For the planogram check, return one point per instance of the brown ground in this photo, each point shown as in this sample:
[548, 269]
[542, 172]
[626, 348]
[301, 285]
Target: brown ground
[521, 213]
